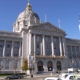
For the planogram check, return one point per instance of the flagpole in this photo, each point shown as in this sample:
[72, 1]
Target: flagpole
[79, 22]
[59, 22]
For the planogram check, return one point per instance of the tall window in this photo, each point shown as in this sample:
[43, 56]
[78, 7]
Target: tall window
[38, 44]
[77, 51]
[73, 51]
[1, 47]
[16, 48]
[69, 51]
[48, 45]
[15, 64]
[56, 46]
[7, 65]
[8, 48]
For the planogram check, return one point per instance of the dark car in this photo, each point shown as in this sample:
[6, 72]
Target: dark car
[14, 76]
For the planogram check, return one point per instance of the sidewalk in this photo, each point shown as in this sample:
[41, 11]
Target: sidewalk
[2, 77]
[35, 75]
[43, 75]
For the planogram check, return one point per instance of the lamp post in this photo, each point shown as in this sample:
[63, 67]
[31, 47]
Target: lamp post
[31, 59]
[73, 64]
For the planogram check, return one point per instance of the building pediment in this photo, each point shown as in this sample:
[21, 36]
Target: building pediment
[48, 27]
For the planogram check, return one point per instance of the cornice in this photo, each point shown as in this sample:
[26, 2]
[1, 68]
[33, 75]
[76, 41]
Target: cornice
[47, 33]
[10, 38]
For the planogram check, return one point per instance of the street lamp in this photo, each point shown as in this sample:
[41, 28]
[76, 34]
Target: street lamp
[31, 59]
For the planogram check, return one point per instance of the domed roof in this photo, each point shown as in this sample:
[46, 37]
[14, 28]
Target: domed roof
[28, 13]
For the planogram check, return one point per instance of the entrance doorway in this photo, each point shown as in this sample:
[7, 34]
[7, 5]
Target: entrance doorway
[40, 66]
[58, 65]
[49, 66]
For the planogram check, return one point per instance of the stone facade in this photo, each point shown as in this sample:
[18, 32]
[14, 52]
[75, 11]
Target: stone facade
[44, 42]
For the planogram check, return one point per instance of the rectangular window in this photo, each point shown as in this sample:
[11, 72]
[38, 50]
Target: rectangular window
[16, 48]
[56, 46]
[15, 64]
[8, 48]
[7, 65]
[1, 47]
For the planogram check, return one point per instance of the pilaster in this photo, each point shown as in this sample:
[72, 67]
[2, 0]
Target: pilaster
[60, 46]
[34, 43]
[52, 45]
[12, 48]
[4, 48]
[43, 41]
[20, 49]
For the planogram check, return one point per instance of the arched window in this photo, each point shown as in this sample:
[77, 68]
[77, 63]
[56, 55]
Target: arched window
[58, 65]
[49, 66]
[40, 66]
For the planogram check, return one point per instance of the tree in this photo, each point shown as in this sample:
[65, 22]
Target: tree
[25, 65]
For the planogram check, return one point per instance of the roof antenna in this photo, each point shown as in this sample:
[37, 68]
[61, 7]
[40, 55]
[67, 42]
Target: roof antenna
[59, 22]
[45, 18]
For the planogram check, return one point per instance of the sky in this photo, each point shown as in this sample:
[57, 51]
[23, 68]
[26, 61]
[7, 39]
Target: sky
[67, 11]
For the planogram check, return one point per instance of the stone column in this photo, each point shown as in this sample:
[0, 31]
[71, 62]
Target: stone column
[12, 49]
[41, 49]
[52, 45]
[34, 44]
[60, 46]
[4, 48]
[30, 36]
[64, 46]
[43, 41]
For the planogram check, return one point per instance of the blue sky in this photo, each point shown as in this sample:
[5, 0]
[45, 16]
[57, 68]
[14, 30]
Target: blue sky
[66, 10]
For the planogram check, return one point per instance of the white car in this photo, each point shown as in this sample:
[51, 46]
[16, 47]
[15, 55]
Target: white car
[63, 75]
[71, 77]
[52, 78]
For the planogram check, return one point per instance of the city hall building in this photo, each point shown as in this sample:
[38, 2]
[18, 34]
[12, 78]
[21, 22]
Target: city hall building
[44, 43]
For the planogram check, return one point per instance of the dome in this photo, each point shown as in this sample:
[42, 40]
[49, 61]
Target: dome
[26, 18]
[28, 13]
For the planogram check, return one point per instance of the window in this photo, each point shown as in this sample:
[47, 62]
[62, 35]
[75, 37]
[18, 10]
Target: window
[37, 45]
[7, 65]
[15, 64]
[38, 39]
[8, 45]
[8, 48]
[1, 47]
[16, 48]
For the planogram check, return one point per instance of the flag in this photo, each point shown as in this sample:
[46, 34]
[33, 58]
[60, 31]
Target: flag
[53, 55]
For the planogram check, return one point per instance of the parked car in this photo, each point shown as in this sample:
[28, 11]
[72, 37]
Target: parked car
[14, 76]
[73, 76]
[52, 78]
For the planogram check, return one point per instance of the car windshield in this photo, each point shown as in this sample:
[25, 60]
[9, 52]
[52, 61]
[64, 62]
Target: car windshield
[65, 76]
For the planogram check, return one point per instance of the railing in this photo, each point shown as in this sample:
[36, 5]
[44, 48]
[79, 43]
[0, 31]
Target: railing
[52, 57]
